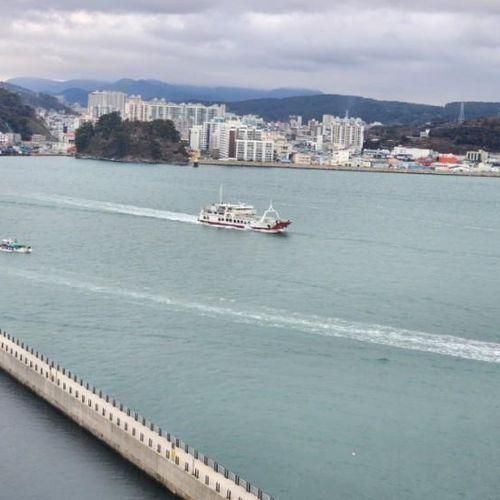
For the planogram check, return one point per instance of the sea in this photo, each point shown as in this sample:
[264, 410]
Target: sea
[356, 357]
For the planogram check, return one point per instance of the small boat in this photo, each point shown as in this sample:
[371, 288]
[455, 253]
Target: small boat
[270, 222]
[242, 216]
[12, 246]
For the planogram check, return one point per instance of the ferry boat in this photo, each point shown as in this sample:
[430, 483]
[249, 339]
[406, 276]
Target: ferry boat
[242, 216]
[12, 246]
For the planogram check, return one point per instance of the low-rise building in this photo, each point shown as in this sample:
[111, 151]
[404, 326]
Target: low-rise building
[340, 157]
[302, 158]
[9, 139]
[477, 156]
[413, 153]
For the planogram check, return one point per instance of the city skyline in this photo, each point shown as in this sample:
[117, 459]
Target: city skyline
[395, 51]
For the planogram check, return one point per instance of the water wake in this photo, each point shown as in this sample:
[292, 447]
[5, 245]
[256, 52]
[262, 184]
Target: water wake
[117, 208]
[447, 345]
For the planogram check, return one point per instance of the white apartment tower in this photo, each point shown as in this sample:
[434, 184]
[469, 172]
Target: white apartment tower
[252, 145]
[104, 102]
[344, 133]
[195, 137]
[135, 108]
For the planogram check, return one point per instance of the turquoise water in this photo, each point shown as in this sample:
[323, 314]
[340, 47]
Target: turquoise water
[357, 357]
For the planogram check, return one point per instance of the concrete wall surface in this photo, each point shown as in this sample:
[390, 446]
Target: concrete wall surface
[183, 470]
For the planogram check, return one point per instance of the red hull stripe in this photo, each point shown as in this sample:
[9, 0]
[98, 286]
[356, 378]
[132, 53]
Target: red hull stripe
[223, 224]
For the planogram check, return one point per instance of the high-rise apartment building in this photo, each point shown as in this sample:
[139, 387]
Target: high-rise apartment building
[134, 108]
[195, 137]
[344, 133]
[104, 102]
[251, 150]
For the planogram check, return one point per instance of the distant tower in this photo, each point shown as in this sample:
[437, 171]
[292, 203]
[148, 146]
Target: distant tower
[346, 114]
[461, 114]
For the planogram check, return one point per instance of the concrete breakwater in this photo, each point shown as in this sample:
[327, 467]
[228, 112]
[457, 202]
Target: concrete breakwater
[182, 469]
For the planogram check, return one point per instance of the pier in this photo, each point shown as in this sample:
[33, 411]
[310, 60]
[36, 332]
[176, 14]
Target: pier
[182, 469]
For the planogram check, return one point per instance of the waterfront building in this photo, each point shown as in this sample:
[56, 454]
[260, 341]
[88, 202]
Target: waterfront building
[302, 158]
[218, 137]
[253, 145]
[195, 137]
[340, 157]
[344, 133]
[227, 139]
[38, 138]
[9, 139]
[282, 149]
[413, 153]
[477, 156]
[255, 151]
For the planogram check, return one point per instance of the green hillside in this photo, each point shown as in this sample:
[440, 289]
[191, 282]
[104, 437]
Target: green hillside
[18, 117]
[455, 138]
[36, 99]
[370, 110]
[113, 139]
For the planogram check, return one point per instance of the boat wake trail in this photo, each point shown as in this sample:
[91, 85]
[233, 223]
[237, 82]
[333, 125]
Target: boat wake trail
[117, 208]
[446, 345]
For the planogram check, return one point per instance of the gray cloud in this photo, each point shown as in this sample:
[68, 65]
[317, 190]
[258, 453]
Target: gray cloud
[433, 51]
[193, 6]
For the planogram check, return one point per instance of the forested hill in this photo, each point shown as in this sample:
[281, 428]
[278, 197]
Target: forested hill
[18, 117]
[370, 110]
[111, 138]
[36, 99]
[444, 138]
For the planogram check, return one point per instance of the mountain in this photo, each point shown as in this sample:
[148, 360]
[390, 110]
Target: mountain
[370, 110]
[18, 117]
[275, 104]
[76, 91]
[36, 99]
[56, 86]
[75, 96]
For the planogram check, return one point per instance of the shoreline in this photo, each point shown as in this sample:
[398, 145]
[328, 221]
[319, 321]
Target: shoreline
[289, 166]
[132, 160]
[341, 168]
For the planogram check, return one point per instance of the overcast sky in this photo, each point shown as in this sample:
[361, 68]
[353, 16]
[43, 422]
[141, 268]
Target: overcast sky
[418, 50]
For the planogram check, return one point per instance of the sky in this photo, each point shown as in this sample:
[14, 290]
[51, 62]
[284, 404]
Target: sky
[432, 51]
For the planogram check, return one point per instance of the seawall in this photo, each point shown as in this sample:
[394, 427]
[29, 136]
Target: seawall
[341, 168]
[179, 467]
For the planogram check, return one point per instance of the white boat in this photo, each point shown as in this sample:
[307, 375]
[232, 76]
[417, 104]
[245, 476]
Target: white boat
[242, 216]
[12, 246]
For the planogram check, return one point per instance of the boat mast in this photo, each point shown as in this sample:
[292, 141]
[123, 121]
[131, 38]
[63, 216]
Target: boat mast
[220, 194]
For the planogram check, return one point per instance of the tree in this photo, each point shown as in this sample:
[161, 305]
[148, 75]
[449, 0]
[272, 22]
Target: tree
[83, 137]
[164, 129]
[109, 124]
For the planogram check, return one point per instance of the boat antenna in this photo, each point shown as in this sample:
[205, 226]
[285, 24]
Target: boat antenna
[220, 193]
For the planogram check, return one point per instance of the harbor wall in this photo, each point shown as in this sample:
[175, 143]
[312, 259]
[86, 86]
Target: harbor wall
[180, 468]
[342, 168]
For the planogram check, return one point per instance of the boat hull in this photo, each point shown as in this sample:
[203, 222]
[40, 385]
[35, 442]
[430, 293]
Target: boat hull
[16, 250]
[226, 225]
[278, 227]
